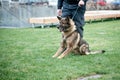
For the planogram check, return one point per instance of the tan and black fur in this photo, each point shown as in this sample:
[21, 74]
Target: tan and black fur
[71, 40]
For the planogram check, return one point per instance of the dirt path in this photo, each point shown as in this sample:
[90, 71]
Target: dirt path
[90, 77]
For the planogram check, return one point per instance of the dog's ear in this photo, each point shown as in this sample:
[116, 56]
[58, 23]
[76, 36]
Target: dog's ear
[67, 18]
[59, 18]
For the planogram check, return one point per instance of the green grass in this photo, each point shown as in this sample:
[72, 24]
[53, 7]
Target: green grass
[26, 54]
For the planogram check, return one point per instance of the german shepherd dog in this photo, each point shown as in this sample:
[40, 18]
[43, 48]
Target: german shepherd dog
[71, 40]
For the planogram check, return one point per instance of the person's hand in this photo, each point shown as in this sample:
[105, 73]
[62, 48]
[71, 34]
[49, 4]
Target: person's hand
[81, 3]
[59, 12]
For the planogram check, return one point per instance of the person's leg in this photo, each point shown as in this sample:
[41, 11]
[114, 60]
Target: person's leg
[79, 21]
[80, 31]
[66, 12]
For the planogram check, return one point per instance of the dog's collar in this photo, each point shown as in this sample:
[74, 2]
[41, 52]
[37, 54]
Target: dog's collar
[71, 33]
[64, 38]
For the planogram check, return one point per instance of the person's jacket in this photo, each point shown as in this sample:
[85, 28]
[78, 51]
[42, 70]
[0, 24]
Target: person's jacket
[60, 2]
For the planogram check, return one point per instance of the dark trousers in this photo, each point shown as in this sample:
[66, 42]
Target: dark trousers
[76, 14]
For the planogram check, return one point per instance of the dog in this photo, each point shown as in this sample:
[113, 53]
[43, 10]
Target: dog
[71, 40]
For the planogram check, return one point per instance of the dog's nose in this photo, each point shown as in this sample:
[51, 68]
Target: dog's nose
[58, 26]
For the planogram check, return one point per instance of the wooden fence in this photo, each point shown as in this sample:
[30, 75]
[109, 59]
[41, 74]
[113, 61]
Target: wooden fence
[89, 16]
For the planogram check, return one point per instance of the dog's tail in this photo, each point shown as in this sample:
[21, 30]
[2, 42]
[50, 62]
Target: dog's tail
[96, 52]
[84, 49]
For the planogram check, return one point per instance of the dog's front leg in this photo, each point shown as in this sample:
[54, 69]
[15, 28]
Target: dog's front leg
[58, 52]
[68, 50]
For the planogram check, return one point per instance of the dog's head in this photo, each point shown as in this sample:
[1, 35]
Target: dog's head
[65, 24]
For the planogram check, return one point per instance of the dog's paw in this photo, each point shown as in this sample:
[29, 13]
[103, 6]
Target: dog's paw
[53, 56]
[60, 57]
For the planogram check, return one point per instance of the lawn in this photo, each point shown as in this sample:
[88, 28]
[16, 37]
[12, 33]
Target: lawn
[26, 54]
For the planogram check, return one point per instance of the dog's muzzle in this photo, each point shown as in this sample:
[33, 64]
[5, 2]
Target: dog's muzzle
[58, 27]
[62, 29]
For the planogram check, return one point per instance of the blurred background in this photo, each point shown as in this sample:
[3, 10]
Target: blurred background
[16, 13]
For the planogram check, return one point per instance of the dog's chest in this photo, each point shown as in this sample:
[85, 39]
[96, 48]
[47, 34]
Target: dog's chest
[71, 41]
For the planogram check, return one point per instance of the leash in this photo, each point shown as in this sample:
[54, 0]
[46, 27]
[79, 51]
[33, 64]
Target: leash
[75, 12]
[73, 18]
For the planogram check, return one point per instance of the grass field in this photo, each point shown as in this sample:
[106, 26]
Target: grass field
[26, 54]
